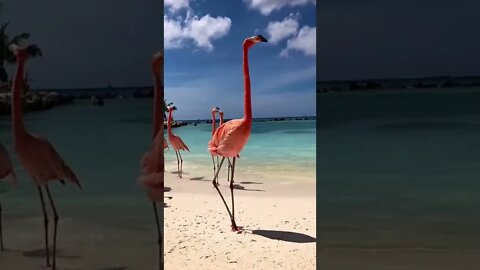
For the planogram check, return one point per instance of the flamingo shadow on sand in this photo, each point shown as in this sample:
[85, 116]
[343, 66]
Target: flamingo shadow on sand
[114, 268]
[165, 205]
[251, 183]
[240, 187]
[200, 178]
[40, 253]
[286, 236]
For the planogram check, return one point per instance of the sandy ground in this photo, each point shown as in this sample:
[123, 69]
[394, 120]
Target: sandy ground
[398, 260]
[103, 238]
[80, 246]
[277, 215]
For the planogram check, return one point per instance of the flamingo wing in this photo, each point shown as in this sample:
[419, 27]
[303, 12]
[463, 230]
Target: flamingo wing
[230, 138]
[184, 146]
[151, 160]
[165, 144]
[6, 166]
[53, 162]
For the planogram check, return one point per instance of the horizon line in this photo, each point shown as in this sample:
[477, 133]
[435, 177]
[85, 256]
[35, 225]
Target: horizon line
[273, 117]
[401, 78]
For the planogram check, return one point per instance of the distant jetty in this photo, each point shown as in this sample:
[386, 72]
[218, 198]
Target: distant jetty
[269, 119]
[437, 82]
[175, 124]
[35, 101]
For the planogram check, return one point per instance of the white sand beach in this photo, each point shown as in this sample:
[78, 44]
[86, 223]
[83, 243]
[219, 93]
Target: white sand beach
[276, 212]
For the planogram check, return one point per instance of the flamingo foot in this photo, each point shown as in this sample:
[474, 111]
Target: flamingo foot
[237, 229]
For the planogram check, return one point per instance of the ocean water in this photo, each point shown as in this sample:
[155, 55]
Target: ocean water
[104, 145]
[399, 170]
[283, 147]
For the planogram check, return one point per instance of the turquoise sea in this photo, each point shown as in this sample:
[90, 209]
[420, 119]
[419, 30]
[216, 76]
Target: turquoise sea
[283, 147]
[399, 170]
[104, 145]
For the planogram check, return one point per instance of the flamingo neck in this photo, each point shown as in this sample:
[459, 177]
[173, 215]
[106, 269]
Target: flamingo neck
[214, 123]
[221, 119]
[157, 105]
[17, 118]
[246, 79]
[169, 123]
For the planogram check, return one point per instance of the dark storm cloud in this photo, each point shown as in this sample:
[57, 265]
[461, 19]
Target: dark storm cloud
[372, 39]
[89, 42]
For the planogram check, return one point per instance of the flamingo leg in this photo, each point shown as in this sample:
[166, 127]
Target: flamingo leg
[160, 244]
[234, 226]
[55, 224]
[217, 167]
[178, 164]
[214, 168]
[181, 164]
[220, 193]
[1, 230]
[45, 224]
[229, 169]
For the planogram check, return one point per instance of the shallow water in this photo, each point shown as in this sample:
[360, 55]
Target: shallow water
[284, 147]
[103, 145]
[399, 171]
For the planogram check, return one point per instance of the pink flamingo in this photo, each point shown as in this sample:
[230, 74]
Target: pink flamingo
[230, 138]
[176, 141]
[37, 155]
[214, 127]
[6, 172]
[152, 164]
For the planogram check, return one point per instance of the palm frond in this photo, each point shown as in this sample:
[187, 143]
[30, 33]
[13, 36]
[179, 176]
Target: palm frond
[4, 27]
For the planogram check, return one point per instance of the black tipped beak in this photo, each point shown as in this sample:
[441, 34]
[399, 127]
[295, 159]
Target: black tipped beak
[262, 39]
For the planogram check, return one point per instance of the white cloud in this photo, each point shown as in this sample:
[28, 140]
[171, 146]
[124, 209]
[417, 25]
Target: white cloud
[175, 5]
[267, 6]
[201, 30]
[278, 31]
[173, 33]
[305, 41]
[207, 28]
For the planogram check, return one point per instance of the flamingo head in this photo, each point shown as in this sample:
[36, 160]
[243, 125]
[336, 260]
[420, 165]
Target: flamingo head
[171, 108]
[20, 48]
[157, 62]
[215, 110]
[254, 40]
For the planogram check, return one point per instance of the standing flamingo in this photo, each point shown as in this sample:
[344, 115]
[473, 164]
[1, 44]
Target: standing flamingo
[176, 142]
[230, 138]
[37, 155]
[153, 164]
[214, 127]
[6, 172]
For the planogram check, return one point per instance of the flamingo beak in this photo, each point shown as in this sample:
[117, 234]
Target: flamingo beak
[262, 39]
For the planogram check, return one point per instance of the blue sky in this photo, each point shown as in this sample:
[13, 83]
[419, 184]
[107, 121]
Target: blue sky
[203, 56]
